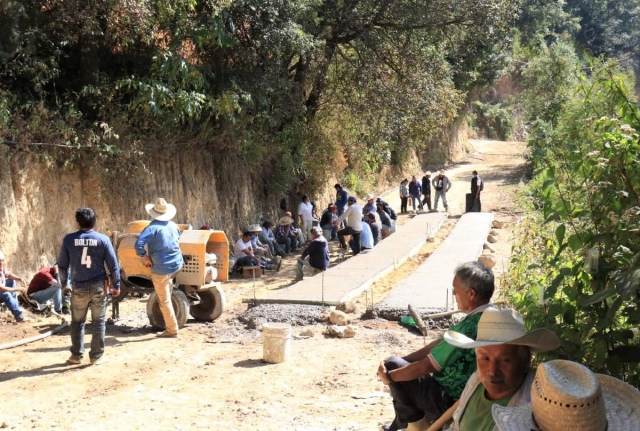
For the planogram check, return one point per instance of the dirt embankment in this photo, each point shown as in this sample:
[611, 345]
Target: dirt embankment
[213, 376]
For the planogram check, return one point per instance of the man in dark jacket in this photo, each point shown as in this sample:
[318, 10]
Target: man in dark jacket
[415, 190]
[385, 206]
[316, 254]
[327, 219]
[426, 189]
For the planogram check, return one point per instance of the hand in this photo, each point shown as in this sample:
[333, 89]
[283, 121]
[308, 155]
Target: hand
[147, 261]
[382, 373]
[23, 289]
[115, 292]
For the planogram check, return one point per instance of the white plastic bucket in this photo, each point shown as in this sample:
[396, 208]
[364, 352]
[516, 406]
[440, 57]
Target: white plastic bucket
[276, 342]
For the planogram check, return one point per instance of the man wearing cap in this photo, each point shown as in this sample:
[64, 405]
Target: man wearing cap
[476, 187]
[503, 357]
[442, 185]
[287, 235]
[327, 219]
[385, 220]
[316, 255]
[426, 189]
[9, 292]
[370, 205]
[45, 286]
[305, 213]
[568, 396]
[86, 253]
[415, 190]
[353, 217]
[164, 258]
[425, 383]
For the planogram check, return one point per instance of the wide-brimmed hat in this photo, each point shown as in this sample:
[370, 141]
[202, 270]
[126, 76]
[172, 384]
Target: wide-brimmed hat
[254, 228]
[428, 173]
[441, 171]
[161, 210]
[285, 221]
[369, 197]
[504, 327]
[566, 395]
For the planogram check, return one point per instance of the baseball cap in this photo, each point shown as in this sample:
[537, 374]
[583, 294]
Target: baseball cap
[352, 199]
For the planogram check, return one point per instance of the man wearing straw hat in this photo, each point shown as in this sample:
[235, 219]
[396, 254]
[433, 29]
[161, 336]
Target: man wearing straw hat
[164, 258]
[567, 396]
[425, 383]
[287, 235]
[442, 185]
[503, 357]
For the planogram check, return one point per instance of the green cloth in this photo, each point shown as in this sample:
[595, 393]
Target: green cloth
[477, 415]
[456, 364]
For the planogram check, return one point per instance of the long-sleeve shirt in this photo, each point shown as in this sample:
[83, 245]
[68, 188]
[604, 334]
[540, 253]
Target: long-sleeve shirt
[415, 189]
[161, 238]
[86, 252]
[318, 252]
[404, 190]
[441, 183]
[341, 199]
[426, 185]
[353, 215]
[366, 236]
[384, 218]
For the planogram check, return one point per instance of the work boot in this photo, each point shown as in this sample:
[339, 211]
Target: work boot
[96, 361]
[74, 360]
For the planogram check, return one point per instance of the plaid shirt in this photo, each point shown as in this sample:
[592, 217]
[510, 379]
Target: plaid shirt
[280, 232]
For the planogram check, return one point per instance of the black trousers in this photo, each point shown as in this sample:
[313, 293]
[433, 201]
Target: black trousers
[403, 204]
[416, 399]
[477, 205]
[355, 236]
[427, 199]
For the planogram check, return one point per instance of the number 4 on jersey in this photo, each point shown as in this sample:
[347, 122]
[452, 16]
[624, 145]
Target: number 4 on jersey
[86, 260]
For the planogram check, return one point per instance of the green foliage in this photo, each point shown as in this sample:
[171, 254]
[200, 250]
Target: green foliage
[492, 120]
[585, 196]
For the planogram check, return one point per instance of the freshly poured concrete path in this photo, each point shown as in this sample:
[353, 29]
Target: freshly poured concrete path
[430, 284]
[351, 277]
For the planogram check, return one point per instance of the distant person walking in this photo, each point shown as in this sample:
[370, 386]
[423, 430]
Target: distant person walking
[442, 185]
[477, 186]
[164, 258]
[404, 196]
[86, 253]
[426, 189]
[415, 190]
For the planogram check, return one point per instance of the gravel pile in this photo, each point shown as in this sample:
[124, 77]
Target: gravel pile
[294, 314]
[395, 314]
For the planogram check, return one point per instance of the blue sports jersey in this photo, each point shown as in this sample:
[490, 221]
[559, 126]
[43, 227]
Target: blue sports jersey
[85, 253]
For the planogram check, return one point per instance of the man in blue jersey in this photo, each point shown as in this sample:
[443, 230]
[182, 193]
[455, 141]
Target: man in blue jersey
[86, 253]
[163, 257]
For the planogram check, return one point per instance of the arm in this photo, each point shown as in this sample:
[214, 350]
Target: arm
[422, 353]
[12, 289]
[12, 276]
[249, 252]
[63, 264]
[142, 240]
[344, 215]
[478, 184]
[112, 263]
[419, 366]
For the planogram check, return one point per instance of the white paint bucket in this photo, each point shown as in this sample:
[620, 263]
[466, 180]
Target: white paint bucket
[276, 342]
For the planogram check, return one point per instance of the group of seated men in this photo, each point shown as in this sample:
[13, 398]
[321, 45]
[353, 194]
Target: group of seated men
[482, 369]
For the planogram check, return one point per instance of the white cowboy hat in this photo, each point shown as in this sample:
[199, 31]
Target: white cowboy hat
[441, 171]
[428, 173]
[369, 197]
[285, 221]
[504, 327]
[254, 228]
[566, 395]
[161, 210]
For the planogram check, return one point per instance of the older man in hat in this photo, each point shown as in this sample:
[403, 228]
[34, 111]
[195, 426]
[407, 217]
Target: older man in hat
[425, 383]
[503, 357]
[315, 256]
[441, 184]
[370, 206]
[164, 258]
[353, 217]
[568, 396]
[287, 235]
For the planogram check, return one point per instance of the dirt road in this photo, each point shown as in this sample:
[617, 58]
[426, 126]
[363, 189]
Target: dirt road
[213, 376]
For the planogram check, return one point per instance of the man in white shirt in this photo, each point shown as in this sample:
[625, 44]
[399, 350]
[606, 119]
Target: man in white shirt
[305, 213]
[353, 216]
[243, 252]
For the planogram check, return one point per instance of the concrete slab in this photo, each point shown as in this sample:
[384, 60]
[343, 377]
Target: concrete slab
[429, 286]
[351, 277]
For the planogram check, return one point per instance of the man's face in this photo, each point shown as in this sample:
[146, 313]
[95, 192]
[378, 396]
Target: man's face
[413, 178]
[501, 369]
[370, 201]
[333, 209]
[464, 297]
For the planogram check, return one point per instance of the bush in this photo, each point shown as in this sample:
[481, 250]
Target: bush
[491, 120]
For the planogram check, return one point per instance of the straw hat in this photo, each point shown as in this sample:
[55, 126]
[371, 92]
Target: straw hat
[161, 210]
[254, 228]
[285, 221]
[428, 174]
[441, 171]
[504, 327]
[369, 197]
[566, 395]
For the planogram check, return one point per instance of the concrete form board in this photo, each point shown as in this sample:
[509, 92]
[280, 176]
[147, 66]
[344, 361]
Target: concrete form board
[351, 277]
[430, 285]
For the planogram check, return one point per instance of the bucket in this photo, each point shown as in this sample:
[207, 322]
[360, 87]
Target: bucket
[327, 234]
[276, 342]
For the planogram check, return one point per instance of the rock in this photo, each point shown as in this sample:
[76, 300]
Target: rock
[4, 425]
[487, 260]
[340, 331]
[486, 252]
[492, 239]
[307, 333]
[489, 247]
[494, 233]
[498, 224]
[347, 307]
[349, 332]
[339, 318]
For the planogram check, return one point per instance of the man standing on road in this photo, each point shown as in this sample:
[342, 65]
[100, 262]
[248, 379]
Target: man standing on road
[8, 291]
[415, 190]
[316, 255]
[353, 216]
[442, 185]
[425, 383]
[477, 185]
[86, 253]
[426, 189]
[163, 257]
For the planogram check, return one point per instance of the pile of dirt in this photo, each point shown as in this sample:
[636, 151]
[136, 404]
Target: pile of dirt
[294, 314]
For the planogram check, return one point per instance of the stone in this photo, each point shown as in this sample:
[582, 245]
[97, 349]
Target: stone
[347, 307]
[498, 224]
[487, 260]
[492, 239]
[339, 318]
[340, 331]
[307, 333]
[349, 332]
[489, 247]
[494, 233]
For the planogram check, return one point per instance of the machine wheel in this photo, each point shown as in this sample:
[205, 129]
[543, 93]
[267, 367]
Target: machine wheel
[180, 307]
[211, 305]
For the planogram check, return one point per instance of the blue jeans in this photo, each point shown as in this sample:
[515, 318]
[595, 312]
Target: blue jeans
[81, 299]
[45, 295]
[290, 244]
[11, 299]
[332, 227]
[413, 202]
[441, 194]
[248, 261]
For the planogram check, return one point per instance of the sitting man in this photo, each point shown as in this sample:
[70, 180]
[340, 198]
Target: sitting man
[8, 291]
[267, 237]
[244, 255]
[367, 240]
[316, 255]
[328, 217]
[418, 397]
[259, 249]
[287, 235]
[369, 206]
[45, 286]
[353, 217]
[385, 220]
[503, 356]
